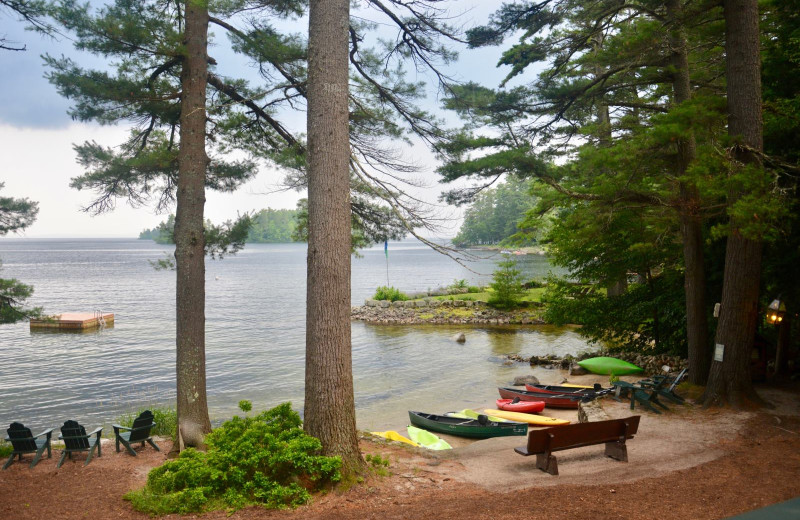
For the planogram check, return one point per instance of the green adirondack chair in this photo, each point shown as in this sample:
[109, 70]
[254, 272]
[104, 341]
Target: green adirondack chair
[22, 441]
[644, 396]
[138, 432]
[665, 385]
[76, 439]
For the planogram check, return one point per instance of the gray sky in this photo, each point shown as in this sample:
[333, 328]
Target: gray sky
[37, 135]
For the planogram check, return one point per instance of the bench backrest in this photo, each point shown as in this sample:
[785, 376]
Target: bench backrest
[140, 429]
[21, 437]
[74, 436]
[581, 434]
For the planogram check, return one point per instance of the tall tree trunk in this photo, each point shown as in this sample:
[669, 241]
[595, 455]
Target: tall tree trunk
[329, 402]
[730, 379]
[617, 285]
[694, 283]
[193, 421]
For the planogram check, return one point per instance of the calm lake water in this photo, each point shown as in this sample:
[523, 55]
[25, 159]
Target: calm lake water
[255, 344]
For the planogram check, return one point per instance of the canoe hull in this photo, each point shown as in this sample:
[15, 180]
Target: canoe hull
[559, 389]
[470, 428]
[609, 366]
[550, 400]
[520, 406]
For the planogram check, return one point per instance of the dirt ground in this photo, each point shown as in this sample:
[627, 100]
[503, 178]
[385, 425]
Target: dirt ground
[688, 463]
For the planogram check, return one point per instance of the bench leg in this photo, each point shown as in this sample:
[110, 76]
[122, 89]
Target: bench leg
[9, 461]
[617, 450]
[547, 463]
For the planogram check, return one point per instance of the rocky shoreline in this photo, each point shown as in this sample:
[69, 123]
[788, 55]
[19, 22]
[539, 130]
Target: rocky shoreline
[455, 312]
[466, 312]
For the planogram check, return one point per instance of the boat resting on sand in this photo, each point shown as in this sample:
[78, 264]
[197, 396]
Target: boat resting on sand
[427, 439]
[468, 413]
[481, 428]
[609, 366]
[532, 419]
[520, 406]
[394, 436]
[562, 389]
[550, 400]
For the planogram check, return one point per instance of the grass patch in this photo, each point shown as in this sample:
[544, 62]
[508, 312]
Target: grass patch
[5, 448]
[531, 295]
[166, 421]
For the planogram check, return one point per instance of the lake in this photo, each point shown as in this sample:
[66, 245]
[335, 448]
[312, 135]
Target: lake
[255, 339]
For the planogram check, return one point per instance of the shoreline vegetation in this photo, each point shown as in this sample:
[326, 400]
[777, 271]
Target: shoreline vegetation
[444, 312]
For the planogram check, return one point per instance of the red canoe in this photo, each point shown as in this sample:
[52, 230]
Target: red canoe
[520, 406]
[550, 400]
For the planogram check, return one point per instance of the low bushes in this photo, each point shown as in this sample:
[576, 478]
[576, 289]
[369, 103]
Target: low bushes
[389, 293]
[266, 459]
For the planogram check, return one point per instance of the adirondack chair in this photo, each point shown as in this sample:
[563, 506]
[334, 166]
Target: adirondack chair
[22, 441]
[138, 432]
[644, 396]
[76, 439]
[665, 385]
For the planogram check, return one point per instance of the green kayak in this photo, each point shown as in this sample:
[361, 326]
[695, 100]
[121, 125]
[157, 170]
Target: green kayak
[609, 365]
[427, 439]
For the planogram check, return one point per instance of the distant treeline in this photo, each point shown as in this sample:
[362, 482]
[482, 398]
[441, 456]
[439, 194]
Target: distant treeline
[268, 226]
[496, 216]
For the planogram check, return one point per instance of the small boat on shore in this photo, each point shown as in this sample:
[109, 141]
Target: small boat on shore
[468, 413]
[530, 418]
[609, 366]
[481, 428]
[550, 400]
[560, 389]
[520, 406]
[426, 439]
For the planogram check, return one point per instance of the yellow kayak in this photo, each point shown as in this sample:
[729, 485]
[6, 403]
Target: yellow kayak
[394, 436]
[538, 420]
[575, 386]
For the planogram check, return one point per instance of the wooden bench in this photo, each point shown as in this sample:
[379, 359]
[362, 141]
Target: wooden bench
[613, 433]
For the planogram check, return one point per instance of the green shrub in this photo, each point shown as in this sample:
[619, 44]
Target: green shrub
[266, 460]
[389, 293]
[458, 284]
[507, 290]
[5, 449]
[166, 420]
[472, 289]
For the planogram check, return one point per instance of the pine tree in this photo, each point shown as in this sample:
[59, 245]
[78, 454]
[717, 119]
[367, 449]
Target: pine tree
[15, 215]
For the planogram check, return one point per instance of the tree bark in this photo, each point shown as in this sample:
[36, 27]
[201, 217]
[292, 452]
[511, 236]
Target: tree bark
[192, 404]
[689, 211]
[730, 379]
[329, 402]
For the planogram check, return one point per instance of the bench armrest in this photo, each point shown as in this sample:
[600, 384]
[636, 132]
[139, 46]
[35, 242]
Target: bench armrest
[97, 431]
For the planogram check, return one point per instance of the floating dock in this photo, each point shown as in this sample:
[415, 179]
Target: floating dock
[74, 321]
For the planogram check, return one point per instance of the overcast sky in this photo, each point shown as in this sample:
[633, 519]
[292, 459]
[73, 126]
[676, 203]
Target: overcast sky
[37, 160]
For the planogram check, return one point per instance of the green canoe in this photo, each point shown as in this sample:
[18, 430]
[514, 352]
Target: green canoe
[481, 428]
[427, 439]
[609, 365]
[468, 413]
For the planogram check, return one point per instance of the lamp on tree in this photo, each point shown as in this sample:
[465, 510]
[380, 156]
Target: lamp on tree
[776, 311]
